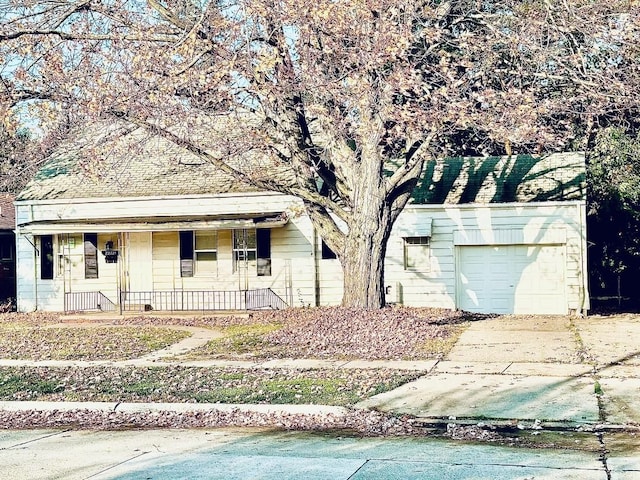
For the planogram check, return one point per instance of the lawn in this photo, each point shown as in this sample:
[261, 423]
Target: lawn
[321, 333]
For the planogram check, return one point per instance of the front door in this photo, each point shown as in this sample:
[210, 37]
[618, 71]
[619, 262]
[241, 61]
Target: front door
[139, 265]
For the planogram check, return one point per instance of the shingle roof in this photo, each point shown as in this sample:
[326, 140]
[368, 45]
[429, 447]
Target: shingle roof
[519, 178]
[133, 165]
[7, 212]
[94, 165]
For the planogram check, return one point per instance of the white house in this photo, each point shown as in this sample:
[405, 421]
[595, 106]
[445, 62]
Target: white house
[161, 230]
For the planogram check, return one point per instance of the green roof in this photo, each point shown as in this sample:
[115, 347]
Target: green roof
[106, 161]
[517, 178]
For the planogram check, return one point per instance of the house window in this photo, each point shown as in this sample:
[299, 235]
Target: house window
[46, 257]
[252, 250]
[6, 249]
[70, 252]
[417, 253]
[186, 254]
[263, 250]
[198, 252]
[90, 255]
[206, 252]
[327, 253]
[244, 249]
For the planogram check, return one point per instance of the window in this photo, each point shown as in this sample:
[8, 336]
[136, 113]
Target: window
[416, 253]
[327, 253]
[90, 255]
[46, 257]
[206, 252]
[6, 248]
[70, 253]
[198, 252]
[186, 254]
[263, 250]
[252, 250]
[244, 249]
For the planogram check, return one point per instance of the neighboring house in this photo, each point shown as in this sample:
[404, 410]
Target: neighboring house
[158, 229]
[7, 248]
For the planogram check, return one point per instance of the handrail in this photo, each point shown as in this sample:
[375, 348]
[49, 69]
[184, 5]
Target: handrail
[176, 300]
[201, 300]
[85, 301]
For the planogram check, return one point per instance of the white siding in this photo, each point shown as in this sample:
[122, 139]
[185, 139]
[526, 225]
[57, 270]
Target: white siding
[296, 256]
[530, 224]
[291, 249]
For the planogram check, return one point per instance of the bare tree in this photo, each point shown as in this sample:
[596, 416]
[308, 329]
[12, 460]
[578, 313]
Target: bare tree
[351, 97]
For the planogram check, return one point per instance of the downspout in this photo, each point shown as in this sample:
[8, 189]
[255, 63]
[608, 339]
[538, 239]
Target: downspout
[36, 254]
[316, 268]
[583, 261]
[120, 271]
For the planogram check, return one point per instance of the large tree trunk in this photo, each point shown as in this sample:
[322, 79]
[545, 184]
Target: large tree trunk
[365, 244]
[363, 262]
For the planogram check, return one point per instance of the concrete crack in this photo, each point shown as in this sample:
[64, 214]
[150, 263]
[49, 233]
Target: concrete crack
[604, 455]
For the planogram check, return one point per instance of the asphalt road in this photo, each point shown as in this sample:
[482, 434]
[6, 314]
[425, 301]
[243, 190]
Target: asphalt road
[243, 454]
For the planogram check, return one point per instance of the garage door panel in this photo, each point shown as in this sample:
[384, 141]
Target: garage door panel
[512, 279]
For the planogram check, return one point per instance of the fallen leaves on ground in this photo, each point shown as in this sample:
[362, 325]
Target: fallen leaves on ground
[42, 342]
[179, 384]
[332, 332]
[392, 333]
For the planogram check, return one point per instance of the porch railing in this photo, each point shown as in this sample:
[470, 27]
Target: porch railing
[175, 301]
[87, 301]
[201, 300]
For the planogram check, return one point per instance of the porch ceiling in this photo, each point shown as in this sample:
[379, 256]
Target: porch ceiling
[156, 224]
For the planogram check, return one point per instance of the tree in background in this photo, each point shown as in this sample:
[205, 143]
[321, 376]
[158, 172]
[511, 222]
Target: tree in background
[14, 163]
[349, 97]
[613, 219]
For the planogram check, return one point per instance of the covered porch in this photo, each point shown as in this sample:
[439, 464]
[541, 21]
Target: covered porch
[159, 263]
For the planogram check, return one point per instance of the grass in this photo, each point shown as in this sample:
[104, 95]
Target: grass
[28, 342]
[239, 340]
[192, 384]
[325, 334]
[438, 347]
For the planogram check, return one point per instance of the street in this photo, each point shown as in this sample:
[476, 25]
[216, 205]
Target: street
[261, 454]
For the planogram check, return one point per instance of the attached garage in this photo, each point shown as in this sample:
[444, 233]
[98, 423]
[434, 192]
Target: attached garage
[504, 277]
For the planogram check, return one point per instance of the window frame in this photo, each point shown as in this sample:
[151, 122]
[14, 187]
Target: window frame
[90, 255]
[415, 243]
[244, 248]
[47, 257]
[204, 251]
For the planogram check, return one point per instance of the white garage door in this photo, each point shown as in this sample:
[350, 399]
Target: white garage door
[512, 279]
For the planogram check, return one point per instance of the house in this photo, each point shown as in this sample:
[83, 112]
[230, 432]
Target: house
[7, 248]
[154, 228]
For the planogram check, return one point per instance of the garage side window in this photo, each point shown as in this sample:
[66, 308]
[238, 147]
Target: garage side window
[417, 253]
